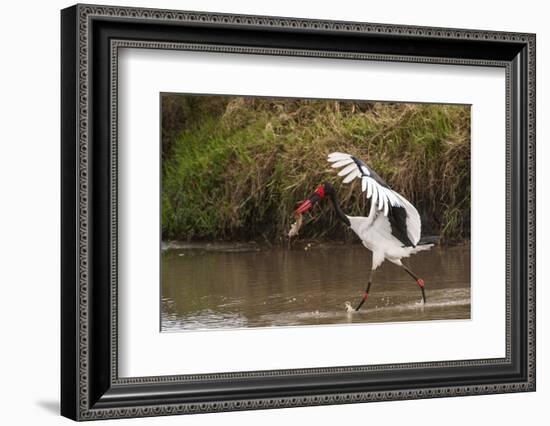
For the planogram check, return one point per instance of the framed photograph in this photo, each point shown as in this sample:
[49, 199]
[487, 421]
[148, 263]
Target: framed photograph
[263, 212]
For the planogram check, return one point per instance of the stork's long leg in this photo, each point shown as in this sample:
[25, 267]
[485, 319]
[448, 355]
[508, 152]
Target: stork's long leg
[418, 280]
[367, 290]
[377, 259]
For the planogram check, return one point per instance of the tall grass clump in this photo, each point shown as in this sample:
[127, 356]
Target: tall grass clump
[236, 170]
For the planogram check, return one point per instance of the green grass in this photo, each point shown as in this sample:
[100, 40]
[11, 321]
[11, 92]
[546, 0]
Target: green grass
[237, 171]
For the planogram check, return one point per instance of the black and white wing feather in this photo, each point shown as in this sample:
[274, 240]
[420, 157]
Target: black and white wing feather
[402, 215]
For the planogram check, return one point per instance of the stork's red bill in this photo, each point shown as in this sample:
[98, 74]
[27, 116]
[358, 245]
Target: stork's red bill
[307, 204]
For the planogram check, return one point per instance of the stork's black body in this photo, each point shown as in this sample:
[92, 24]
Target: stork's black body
[398, 221]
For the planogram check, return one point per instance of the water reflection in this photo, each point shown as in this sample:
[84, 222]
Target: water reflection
[205, 288]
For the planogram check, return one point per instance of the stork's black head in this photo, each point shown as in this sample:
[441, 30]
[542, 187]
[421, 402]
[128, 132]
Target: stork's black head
[321, 192]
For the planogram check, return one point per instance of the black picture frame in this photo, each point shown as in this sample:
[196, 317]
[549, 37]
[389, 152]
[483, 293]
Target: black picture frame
[90, 386]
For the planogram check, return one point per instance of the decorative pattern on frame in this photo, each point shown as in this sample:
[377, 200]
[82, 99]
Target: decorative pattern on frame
[85, 14]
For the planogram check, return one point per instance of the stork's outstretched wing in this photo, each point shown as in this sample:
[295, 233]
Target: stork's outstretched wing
[403, 216]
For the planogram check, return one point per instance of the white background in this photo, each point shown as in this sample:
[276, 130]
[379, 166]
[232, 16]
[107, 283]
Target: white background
[146, 352]
[29, 216]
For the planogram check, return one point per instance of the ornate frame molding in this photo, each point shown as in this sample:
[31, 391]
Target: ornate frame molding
[82, 16]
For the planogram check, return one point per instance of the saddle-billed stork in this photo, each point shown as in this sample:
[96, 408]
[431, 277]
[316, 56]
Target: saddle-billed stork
[392, 228]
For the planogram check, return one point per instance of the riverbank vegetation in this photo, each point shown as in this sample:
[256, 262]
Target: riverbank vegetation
[234, 168]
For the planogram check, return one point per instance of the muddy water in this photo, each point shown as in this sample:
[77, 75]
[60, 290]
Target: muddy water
[214, 287]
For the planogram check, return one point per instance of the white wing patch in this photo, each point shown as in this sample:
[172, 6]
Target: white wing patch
[380, 195]
[348, 169]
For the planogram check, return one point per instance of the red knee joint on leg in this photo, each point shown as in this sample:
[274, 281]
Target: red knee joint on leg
[420, 282]
[365, 296]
